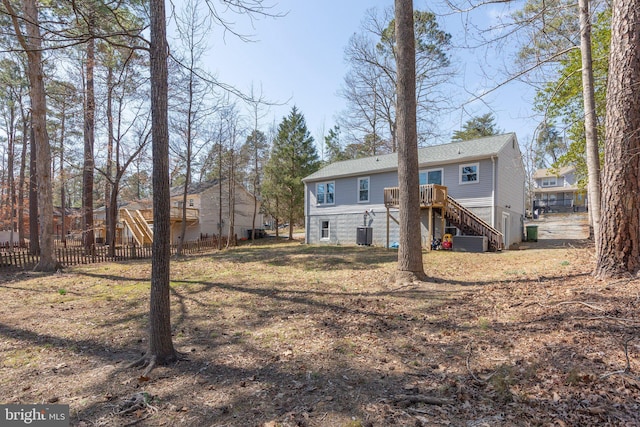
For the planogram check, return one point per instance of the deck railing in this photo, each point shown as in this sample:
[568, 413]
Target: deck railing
[193, 214]
[433, 195]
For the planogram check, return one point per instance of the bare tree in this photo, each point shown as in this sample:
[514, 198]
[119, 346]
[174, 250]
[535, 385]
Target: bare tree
[619, 242]
[256, 152]
[88, 234]
[64, 101]
[410, 252]
[370, 85]
[32, 44]
[191, 96]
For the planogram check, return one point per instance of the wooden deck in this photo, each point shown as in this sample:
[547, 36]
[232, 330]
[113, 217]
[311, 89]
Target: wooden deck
[193, 215]
[431, 196]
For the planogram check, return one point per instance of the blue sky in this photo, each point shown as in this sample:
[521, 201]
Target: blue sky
[298, 59]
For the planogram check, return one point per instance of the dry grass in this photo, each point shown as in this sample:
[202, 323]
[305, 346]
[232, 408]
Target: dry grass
[286, 334]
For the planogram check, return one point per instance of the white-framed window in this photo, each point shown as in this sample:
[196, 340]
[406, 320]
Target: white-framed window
[326, 193]
[550, 181]
[191, 202]
[431, 176]
[469, 173]
[324, 230]
[363, 189]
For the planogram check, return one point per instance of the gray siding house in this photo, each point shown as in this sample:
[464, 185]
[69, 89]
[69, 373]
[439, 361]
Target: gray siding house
[557, 190]
[484, 175]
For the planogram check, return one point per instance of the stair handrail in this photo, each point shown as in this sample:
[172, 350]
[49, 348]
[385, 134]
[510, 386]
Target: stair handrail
[133, 225]
[494, 236]
[144, 225]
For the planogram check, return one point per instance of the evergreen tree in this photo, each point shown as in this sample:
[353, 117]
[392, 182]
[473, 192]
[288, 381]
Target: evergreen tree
[477, 127]
[293, 157]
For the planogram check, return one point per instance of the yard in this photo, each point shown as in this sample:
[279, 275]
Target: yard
[284, 334]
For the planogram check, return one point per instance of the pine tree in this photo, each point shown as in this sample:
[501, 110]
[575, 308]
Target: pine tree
[293, 157]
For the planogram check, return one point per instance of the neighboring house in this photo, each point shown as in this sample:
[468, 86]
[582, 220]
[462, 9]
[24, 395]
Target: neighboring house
[135, 219]
[485, 176]
[203, 205]
[72, 224]
[557, 190]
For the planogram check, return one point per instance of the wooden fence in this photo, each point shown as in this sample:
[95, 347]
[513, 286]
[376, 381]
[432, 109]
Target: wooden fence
[74, 255]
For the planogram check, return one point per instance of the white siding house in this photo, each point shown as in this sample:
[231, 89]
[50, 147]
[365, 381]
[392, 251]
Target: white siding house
[485, 175]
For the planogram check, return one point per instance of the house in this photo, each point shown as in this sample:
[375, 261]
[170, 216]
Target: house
[557, 190]
[471, 187]
[135, 219]
[203, 210]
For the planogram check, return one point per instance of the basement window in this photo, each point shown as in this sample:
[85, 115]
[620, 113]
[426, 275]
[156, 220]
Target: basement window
[324, 230]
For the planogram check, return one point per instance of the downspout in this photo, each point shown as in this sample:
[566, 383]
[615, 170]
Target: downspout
[306, 215]
[493, 193]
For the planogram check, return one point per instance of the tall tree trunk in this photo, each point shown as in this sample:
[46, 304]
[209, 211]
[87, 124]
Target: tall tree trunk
[22, 177]
[232, 203]
[63, 207]
[410, 252]
[110, 225]
[618, 252]
[89, 135]
[256, 185]
[187, 181]
[220, 192]
[591, 132]
[11, 143]
[111, 215]
[161, 350]
[34, 224]
[32, 44]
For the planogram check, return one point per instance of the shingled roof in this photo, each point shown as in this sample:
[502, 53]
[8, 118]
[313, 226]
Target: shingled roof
[194, 187]
[453, 152]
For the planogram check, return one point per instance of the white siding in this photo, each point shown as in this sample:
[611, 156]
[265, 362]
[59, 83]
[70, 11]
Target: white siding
[510, 194]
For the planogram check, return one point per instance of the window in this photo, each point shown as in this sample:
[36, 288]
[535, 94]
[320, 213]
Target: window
[433, 176]
[363, 190]
[469, 173]
[325, 193]
[191, 202]
[324, 230]
[550, 181]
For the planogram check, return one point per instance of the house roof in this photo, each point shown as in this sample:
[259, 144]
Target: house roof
[200, 187]
[194, 187]
[545, 173]
[453, 152]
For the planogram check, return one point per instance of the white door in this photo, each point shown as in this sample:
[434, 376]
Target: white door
[505, 228]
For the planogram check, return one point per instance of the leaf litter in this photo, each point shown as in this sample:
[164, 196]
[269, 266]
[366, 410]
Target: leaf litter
[283, 334]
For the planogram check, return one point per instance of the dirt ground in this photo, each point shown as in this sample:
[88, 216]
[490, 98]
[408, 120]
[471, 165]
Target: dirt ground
[284, 334]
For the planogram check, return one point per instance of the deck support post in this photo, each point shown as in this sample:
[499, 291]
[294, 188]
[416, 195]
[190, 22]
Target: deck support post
[430, 226]
[388, 227]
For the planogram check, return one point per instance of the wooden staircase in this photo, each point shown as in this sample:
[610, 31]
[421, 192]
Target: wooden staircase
[436, 196]
[471, 224]
[138, 225]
